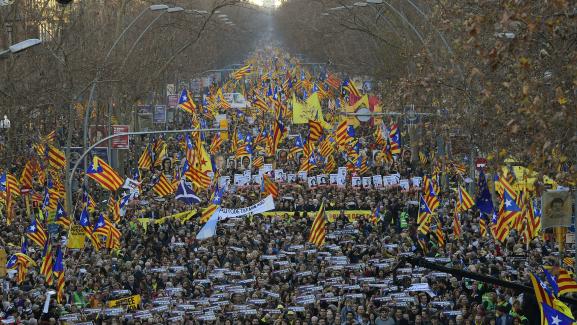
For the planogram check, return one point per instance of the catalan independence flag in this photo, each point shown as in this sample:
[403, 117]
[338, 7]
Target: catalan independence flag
[543, 296]
[104, 175]
[561, 280]
[395, 137]
[36, 233]
[163, 187]
[27, 174]
[465, 201]
[186, 102]
[318, 230]
[242, 72]
[61, 217]
[351, 88]
[47, 263]
[58, 271]
[198, 178]
[85, 224]
[145, 160]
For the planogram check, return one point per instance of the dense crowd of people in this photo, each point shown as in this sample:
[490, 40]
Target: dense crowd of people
[261, 268]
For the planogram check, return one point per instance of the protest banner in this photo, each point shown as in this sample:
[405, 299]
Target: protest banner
[131, 302]
[76, 237]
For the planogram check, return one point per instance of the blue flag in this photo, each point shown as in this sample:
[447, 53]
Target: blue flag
[185, 194]
[555, 317]
[483, 201]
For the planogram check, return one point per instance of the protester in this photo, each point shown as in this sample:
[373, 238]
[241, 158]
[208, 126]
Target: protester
[261, 268]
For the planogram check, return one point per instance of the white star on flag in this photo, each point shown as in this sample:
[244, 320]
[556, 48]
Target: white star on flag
[507, 203]
[556, 320]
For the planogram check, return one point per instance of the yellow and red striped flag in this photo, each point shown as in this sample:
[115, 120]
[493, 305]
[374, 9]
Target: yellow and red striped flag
[465, 201]
[145, 160]
[456, 224]
[104, 175]
[315, 130]
[207, 212]
[318, 230]
[270, 186]
[26, 178]
[56, 158]
[163, 187]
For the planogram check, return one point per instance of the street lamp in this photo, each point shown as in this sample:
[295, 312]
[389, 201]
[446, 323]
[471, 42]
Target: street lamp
[5, 123]
[19, 47]
[169, 10]
[156, 7]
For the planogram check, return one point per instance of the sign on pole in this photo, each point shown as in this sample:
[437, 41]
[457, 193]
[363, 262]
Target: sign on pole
[172, 101]
[122, 142]
[159, 114]
[99, 132]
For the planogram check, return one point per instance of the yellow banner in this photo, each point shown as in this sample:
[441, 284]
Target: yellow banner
[75, 237]
[351, 215]
[131, 302]
[183, 216]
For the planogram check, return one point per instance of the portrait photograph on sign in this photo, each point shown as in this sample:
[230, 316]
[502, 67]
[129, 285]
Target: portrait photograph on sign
[556, 209]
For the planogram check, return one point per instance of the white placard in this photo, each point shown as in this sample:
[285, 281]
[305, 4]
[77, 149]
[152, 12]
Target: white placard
[341, 180]
[322, 179]
[342, 171]
[333, 179]
[378, 181]
[417, 181]
[224, 182]
[312, 181]
[356, 182]
[302, 176]
[404, 184]
[291, 178]
[367, 182]
[267, 168]
[279, 175]
[239, 179]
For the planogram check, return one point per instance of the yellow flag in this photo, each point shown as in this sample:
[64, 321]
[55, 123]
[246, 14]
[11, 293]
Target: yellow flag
[203, 160]
[311, 110]
[314, 106]
[300, 116]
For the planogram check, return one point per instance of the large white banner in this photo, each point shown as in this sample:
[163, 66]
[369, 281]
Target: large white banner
[267, 204]
[209, 228]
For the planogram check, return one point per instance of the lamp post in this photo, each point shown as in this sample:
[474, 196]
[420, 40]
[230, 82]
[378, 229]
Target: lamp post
[169, 10]
[4, 127]
[157, 7]
[18, 47]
